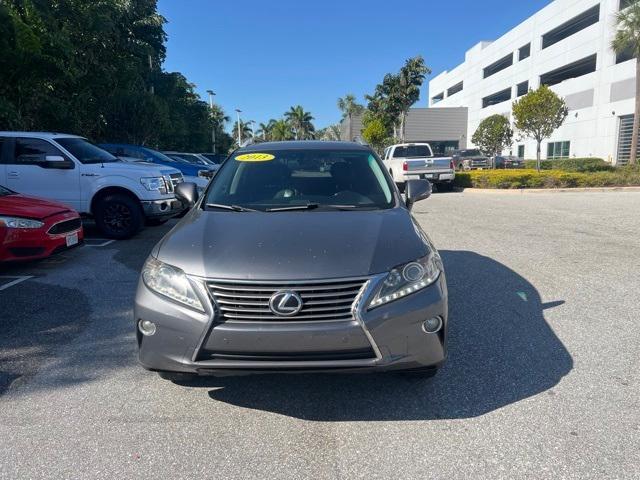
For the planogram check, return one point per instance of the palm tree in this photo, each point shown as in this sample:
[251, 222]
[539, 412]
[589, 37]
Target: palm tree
[281, 130]
[264, 130]
[627, 39]
[301, 122]
[349, 107]
[332, 133]
[245, 130]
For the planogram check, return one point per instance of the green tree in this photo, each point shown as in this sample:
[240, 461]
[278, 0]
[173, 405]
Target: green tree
[627, 39]
[411, 77]
[281, 130]
[493, 134]
[300, 122]
[538, 114]
[244, 130]
[350, 107]
[264, 129]
[375, 133]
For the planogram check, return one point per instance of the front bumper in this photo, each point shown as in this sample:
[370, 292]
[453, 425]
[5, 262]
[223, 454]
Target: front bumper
[33, 244]
[386, 338]
[167, 207]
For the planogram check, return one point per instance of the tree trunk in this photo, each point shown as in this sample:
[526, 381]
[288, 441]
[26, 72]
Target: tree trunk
[402, 118]
[636, 118]
[538, 155]
[350, 139]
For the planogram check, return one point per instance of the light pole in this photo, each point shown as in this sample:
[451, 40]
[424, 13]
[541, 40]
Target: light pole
[238, 112]
[213, 126]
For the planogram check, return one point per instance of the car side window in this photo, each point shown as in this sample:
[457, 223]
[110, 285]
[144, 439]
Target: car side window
[32, 151]
[2, 144]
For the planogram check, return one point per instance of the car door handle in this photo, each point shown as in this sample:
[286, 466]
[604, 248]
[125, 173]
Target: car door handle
[13, 174]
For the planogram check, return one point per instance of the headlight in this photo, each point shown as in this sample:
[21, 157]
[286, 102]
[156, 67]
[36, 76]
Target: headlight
[408, 278]
[17, 222]
[154, 184]
[170, 282]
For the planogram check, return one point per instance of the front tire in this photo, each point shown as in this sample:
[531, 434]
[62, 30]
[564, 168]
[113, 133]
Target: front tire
[118, 216]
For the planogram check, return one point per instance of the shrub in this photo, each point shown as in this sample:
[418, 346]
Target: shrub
[573, 165]
[528, 178]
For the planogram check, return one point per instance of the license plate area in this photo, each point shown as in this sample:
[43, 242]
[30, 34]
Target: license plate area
[72, 239]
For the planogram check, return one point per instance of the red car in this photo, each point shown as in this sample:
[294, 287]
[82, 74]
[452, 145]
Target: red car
[32, 228]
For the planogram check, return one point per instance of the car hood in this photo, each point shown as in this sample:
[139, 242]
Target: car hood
[292, 245]
[29, 207]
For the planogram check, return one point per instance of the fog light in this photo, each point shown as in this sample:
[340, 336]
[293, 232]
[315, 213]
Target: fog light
[432, 325]
[147, 327]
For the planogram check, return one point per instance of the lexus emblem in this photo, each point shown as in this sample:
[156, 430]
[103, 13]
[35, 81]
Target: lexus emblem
[285, 303]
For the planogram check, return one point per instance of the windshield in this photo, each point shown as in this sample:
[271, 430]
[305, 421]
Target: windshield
[149, 153]
[470, 153]
[5, 191]
[292, 179]
[188, 158]
[84, 151]
[412, 151]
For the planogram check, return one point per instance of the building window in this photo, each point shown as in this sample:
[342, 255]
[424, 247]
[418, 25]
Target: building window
[498, 66]
[625, 55]
[520, 151]
[573, 70]
[524, 52]
[437, 98]
[523, 88]
[455, 89]
[496, 98]
[558, 149]
[625, 3]
[582, 21]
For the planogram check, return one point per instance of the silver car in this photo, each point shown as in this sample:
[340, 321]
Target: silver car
[298, 256]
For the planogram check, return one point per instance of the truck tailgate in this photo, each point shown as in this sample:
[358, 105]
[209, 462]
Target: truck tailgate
[427, 165]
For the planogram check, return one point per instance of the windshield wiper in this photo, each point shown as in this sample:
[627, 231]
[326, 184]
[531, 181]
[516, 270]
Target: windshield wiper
[306, 206]
[234, 208]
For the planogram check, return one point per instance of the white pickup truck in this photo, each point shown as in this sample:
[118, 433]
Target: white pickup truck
[121, 196]
[408, 161]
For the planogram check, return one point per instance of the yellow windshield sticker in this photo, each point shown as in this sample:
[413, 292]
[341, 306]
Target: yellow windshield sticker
[255, 157]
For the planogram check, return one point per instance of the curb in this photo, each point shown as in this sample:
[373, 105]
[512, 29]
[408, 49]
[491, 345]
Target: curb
[523, 191]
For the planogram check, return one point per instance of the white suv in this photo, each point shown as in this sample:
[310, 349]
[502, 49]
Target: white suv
[67, 168]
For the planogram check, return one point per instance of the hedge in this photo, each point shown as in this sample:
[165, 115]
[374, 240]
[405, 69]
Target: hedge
[527, 178]
[572, 165]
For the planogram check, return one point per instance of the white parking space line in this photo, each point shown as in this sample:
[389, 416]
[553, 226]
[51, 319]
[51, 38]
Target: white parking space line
[16, 280]
[103, 242]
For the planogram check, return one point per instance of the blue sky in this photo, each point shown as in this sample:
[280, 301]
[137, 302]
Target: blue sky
[264, 56]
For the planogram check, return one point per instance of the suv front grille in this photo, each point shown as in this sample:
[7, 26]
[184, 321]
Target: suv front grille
[174, 180]
[66, 226]
[330, 300]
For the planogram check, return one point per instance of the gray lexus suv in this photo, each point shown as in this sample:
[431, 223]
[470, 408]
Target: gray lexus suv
[298, 256]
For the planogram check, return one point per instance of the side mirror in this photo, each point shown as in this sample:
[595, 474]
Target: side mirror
[57, 161]
[187, 192]
[417, 190]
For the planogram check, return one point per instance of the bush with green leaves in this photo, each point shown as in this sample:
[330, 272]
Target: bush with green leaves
[573, 165]
[529, 178]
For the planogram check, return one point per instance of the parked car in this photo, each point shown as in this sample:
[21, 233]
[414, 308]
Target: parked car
[407, 161]
[471, 159]
[285, 265]
[195, 159]
[33, 228]
[216, 158]
[71, 170]
[507, 161]
[190, 172]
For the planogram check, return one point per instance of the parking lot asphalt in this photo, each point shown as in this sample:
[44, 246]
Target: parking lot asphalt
[542, 380]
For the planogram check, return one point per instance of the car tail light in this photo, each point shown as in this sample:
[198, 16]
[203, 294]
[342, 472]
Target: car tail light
[451, 165]
[405, 166]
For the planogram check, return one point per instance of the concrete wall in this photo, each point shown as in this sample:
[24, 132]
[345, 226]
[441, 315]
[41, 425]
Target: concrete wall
[596, 100]
[425, 124]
